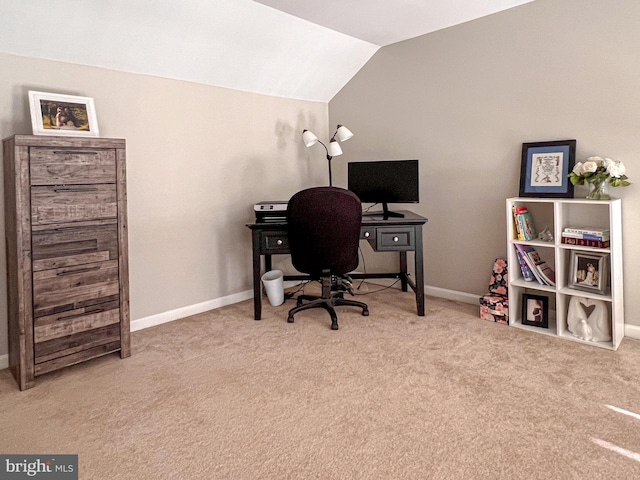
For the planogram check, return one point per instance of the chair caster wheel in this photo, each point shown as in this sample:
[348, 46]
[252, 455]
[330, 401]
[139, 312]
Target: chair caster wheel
[290, 319]
[334, 326]
[365, 312]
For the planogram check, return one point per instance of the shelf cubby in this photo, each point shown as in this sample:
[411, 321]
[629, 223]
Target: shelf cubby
[557, 214]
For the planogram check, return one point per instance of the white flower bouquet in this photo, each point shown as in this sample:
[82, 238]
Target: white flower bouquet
[599, 170]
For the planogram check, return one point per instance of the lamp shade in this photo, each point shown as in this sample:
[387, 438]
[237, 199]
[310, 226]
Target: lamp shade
[309, 138]
[334, 149]
[343, 133]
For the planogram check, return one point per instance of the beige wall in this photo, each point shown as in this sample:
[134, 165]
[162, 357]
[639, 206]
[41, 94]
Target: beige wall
[464, 99]
[198, 158]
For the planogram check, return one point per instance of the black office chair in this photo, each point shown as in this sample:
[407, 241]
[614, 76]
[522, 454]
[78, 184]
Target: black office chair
[324, 233]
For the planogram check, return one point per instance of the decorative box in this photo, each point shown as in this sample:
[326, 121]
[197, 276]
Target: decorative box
[494, 305]
[498, 313]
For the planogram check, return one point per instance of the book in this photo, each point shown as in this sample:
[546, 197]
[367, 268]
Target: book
[527, 275]
[588, 230]
[522, 250]
[526, 224]
[540, 269]
[520, 209]
[585, 242]
[523, 221]
[516, 211]
[543, 268]
[586, 236]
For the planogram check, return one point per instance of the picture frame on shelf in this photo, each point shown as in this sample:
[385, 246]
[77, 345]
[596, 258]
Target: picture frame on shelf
[535, 310]
[588, 271]
[545, 169]
[66, 115]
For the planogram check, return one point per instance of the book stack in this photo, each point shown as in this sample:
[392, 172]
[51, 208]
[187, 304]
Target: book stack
[533, 267]
[524, 223]
[586, 237]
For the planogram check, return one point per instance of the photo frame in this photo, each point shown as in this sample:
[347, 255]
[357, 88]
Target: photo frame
[57, 114]
[588, 271]
[535, 310]
[545, 169]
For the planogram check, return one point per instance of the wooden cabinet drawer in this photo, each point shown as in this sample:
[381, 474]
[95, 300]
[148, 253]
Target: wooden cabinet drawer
[81, 319]
[69, 288]
[73, 203]
[274, 242]
[77, 342]
[68, 166]
[85, 242]
[395, 238]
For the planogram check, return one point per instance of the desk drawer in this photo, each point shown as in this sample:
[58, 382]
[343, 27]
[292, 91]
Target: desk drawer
[395, 238]
[275, 242]
[367, 233]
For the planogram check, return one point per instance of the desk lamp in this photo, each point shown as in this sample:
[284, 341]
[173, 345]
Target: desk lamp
[333, 150]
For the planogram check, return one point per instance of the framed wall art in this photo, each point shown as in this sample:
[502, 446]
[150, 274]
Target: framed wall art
[588, 271]
[535, 310]
[57, 114]
[545, 169]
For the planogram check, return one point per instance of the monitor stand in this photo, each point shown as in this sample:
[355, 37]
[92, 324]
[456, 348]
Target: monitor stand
[386, 213]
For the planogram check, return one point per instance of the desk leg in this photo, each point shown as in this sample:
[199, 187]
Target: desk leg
[403, 271]
[257, 290]
[419, 271]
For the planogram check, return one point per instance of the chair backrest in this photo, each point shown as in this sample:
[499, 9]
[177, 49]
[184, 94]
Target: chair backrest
[324, 230]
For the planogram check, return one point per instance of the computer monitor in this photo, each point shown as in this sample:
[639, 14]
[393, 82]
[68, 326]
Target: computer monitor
[384, 182]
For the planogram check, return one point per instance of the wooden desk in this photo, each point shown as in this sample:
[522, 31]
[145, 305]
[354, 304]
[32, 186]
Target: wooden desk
[400, 235]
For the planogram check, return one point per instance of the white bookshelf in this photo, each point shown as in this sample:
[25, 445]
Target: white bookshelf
[558, 214]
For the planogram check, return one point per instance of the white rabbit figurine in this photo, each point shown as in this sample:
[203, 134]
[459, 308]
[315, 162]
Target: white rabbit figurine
[593, 326]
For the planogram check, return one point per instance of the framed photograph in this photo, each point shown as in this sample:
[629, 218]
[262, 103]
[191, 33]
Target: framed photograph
[588, 271]
[545, 169]
[535, 310]
[57, 114]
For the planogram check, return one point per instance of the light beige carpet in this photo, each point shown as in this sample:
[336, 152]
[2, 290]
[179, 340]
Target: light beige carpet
[389, 396]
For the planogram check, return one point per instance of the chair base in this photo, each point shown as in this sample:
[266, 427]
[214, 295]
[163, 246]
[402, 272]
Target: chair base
[333, 288]
[328, 304]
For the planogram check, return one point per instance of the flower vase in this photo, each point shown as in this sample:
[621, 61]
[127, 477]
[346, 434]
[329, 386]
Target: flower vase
[598, 191]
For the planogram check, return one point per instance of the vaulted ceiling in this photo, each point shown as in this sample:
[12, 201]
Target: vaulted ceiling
[303, 49]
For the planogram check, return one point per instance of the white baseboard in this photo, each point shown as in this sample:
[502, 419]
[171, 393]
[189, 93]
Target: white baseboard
[171, 315]
[631, 331]
[452, 295]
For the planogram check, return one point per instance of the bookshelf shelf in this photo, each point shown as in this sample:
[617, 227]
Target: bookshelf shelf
[558, 214]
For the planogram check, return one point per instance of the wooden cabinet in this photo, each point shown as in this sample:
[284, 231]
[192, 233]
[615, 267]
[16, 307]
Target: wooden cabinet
[67, 257]
[558, 214]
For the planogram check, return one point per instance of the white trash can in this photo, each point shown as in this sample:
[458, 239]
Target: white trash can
[273, 282]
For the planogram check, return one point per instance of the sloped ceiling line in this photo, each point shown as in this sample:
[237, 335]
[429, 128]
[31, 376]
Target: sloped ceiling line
[307, 50]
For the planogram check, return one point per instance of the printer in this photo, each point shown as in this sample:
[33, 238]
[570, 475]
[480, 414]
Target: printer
[271, 211]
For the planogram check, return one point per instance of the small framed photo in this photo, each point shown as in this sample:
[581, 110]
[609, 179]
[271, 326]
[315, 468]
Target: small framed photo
[535, 310]
[545, 169]
[57, 114]
[589, 272]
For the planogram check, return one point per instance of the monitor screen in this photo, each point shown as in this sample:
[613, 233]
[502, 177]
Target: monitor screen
[387, 181]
